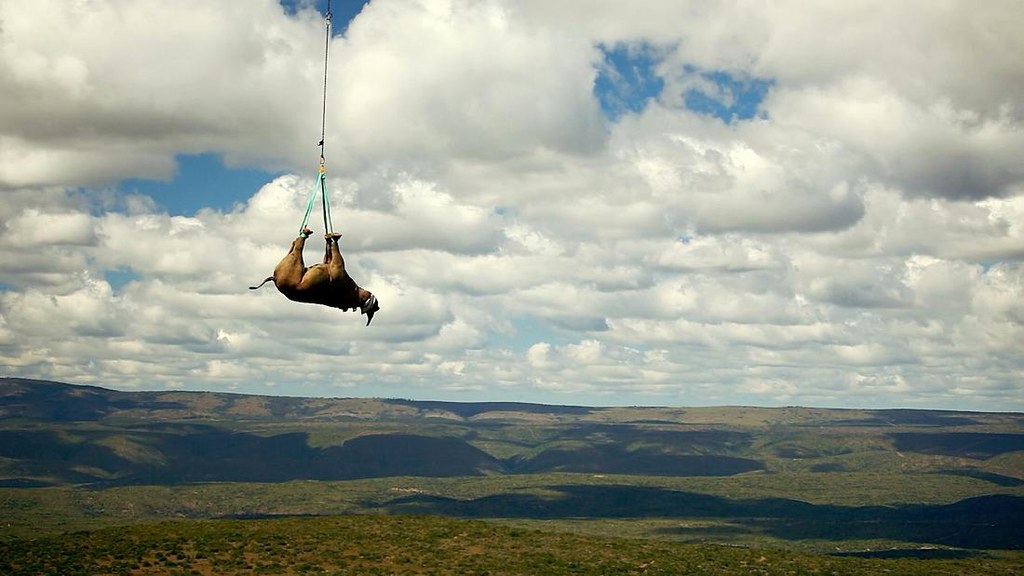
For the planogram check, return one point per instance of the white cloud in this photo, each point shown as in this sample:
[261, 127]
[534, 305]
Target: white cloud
[464, 79]
[704, 175]
[926, 149]
[117, 88]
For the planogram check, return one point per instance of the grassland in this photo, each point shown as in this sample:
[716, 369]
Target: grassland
[367, 545]
[796, 511]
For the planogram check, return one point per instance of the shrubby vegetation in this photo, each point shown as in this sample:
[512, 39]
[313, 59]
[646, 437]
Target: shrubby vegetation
[421, 545]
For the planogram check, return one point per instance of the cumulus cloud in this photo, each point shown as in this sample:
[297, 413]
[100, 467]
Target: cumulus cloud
[926, 150]
[465, 79]
[85, 105]
[855, 242]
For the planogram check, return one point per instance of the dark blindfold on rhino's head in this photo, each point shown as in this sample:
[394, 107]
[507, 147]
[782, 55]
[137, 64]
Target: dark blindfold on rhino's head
[369, 307]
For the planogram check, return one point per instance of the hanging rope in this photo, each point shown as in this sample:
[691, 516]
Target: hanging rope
[327, 49]
[322, 172]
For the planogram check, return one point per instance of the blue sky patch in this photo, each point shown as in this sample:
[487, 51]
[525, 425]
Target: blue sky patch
[529, 330]
[342, 11]
[201, 181]
[733, 98]
[627, 81]
[119, 277]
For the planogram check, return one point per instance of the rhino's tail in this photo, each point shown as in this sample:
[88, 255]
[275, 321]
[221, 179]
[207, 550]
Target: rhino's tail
[269, 278]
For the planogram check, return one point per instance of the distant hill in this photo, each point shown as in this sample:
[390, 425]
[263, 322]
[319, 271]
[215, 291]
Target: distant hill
[59, 434]
[59, 402]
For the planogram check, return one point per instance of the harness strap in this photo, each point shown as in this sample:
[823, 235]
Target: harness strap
[321, 188]
[325, 199]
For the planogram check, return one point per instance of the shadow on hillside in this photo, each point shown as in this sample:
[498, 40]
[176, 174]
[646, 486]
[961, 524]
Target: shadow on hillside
[975, 445]
[989, 522]
[903, 417]
[176, 454]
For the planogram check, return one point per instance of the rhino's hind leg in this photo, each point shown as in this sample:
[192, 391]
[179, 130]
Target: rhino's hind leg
[334, 260]
[288, 273]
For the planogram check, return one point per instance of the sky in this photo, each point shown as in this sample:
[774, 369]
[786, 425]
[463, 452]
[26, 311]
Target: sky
[576, 202]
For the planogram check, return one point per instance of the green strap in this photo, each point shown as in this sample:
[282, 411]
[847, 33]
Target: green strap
[328, 221]
[322, 189]
[309, 209]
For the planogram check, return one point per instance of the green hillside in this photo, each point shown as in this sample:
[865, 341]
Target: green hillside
[365, 545]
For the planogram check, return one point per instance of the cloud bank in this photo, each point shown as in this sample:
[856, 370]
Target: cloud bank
[771, 203]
